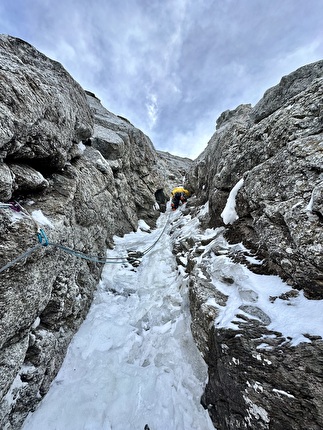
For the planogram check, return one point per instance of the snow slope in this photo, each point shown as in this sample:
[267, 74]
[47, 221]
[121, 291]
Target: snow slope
[133, 362]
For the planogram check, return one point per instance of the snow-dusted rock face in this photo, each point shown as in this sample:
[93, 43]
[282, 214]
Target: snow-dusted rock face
[262, 178]
[276, 148]
[81, 175]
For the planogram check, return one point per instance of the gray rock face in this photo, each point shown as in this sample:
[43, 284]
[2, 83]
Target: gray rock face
[289, 87]
[257, 379]
[82, 175]
[31, 128]
[276, 148]
[131, 160]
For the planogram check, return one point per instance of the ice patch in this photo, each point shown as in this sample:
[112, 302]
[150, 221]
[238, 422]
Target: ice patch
[229, 214]
[39, 217]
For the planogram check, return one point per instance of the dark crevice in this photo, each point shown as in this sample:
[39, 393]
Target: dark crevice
[45, 166]
[319, 215]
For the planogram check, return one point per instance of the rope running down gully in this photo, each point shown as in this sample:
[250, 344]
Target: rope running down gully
[131, 258]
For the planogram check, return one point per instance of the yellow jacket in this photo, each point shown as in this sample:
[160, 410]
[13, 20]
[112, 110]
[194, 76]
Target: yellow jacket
[180, 190]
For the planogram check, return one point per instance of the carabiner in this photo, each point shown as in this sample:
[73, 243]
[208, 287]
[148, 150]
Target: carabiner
[42, 236]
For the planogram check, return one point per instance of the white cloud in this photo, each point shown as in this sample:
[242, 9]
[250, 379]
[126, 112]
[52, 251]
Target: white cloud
[152, 108]
[190, 143]
[170, 67]
[301, 55]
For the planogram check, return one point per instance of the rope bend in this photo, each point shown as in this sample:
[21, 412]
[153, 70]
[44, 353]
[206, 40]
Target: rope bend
[133, 257]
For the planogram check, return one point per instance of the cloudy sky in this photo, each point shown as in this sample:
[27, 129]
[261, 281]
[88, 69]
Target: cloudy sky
[172, 66]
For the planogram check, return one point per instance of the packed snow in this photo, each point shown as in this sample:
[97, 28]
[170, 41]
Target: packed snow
[40, 218]
[262, 297]
[134, 362]
[229, 214]
[309, 207]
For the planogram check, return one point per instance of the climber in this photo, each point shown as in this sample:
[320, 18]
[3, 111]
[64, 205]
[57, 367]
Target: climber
[179, 195]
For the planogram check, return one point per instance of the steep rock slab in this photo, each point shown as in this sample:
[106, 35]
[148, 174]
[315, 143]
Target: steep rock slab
[131, 157]
[174, 169]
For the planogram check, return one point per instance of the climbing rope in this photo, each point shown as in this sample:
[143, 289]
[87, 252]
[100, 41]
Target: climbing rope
[133, 257]
[20, 257]
[155, 243]
[94, 259]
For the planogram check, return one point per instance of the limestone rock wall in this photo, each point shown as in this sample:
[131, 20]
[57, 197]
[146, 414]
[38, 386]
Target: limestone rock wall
[257, 378]
[277, 149]
[82, 175]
